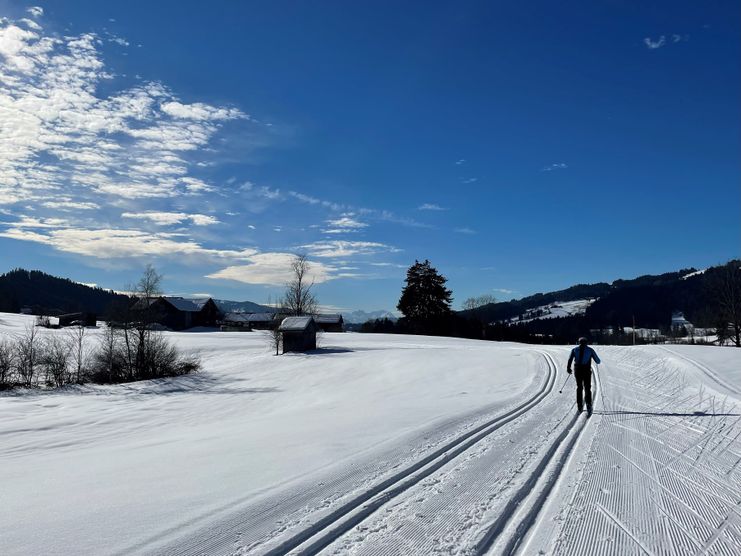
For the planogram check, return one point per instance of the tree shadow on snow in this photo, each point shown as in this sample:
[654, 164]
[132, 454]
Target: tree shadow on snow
[328, 351]
[196, 383]
[667, 414]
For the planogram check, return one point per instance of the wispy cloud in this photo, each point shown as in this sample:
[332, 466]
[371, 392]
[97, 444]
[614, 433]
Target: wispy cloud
[341, 249]
[469, 180]
[653, 44]
[430, 206]
[309, 200]
[504, 291]
[460, 161]
[105, 243]
[555, 166]
[465, 230]
[67, 204]
[170, 218]
[35, 11]
[347, 223]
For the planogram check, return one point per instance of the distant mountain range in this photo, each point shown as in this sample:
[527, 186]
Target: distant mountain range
[359, 317]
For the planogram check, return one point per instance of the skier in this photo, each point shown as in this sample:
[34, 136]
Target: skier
[582, 356]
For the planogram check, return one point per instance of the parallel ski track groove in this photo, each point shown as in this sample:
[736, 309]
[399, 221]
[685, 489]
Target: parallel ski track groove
[523, 527]
[395, 485]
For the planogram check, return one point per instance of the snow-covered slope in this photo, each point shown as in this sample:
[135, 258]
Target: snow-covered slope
[381, 444]
[555, 310]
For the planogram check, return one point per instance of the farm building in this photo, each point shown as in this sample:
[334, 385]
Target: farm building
[73, 319]
[262, 321]
[330, 323]
[235, 322]
[178, 313]
[298, 333]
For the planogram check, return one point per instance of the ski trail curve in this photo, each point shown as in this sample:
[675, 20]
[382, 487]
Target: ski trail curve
[348, 515]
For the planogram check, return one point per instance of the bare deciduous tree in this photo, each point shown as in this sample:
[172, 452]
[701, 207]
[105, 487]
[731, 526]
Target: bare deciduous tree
[7, 360]
[27, 356]
[299, 298]
[473, 303]
[78, 353]
[55, 360]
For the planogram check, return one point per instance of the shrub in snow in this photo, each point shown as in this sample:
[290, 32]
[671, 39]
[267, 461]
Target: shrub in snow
[126, 355]
[7, 356]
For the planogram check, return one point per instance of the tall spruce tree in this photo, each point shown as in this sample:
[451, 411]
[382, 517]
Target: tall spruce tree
[425, 301]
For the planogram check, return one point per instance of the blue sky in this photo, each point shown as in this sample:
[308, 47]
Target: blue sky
[520, 148]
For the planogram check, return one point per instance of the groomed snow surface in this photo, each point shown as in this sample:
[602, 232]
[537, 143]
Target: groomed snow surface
[380, 444]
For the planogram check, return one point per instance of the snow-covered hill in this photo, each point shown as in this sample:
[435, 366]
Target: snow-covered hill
[555, 310]
[376, 443]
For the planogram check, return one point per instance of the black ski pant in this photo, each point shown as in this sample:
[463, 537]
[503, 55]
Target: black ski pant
[583, 376]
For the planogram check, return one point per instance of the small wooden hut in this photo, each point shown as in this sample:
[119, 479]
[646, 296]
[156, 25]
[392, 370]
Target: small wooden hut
[298, 334]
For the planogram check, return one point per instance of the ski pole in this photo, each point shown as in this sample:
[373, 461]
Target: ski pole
[564, 384]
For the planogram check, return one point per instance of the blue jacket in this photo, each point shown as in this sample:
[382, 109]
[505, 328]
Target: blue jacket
[587, 357]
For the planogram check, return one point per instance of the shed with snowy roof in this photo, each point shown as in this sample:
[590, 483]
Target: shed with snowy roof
[298, 333]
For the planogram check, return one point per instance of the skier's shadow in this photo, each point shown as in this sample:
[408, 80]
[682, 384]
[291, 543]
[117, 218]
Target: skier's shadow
[666, 414]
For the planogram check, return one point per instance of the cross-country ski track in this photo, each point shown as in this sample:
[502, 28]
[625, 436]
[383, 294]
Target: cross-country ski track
[474, 463]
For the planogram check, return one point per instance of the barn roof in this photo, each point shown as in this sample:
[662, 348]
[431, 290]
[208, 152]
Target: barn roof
[295, 324]
[182, 304]
[328, 319]
[236, 317]
[260, 317]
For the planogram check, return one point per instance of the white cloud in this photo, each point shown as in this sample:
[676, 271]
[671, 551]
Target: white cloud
[309, 200]
[119, 41]
[200, 112]
[35, 11]
[556, 166]
[119, 243]
[470, 180]
[654, 44]
[430, 206]
[341, 248]
[170, 218]
[67, 204]
[465, 230]
[389, 265]
[345, 224]
[460, 161]
[61, 136]
[272, 269]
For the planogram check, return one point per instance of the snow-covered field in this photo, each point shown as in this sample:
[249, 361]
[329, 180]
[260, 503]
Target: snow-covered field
[380, 444]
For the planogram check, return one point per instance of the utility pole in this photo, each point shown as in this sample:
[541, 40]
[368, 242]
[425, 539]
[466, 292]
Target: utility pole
[634, 330]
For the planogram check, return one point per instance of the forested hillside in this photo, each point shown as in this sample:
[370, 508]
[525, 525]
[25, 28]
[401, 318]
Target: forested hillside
[46, 294]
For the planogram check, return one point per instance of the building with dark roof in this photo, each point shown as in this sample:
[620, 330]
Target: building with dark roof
[330, 323]
[178, 313]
